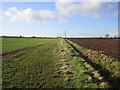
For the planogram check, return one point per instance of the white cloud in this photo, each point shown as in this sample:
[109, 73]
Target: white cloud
[61, 19]
[92, 8]
[83, 9]
[64, 10]
[30, 15]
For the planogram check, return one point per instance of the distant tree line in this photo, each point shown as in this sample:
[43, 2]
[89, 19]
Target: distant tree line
[106, 36]
[23, 37]
[11, 36]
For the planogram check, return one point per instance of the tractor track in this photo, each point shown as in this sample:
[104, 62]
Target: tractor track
[6, 55]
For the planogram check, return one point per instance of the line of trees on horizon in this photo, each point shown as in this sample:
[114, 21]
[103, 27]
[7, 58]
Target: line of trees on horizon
[23, 37]
[106, 36]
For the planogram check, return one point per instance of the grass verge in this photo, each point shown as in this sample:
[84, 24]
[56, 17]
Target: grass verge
[107, 66]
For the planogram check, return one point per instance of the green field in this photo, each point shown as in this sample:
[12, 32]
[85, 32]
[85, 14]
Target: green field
[12, 44]
[53, 64]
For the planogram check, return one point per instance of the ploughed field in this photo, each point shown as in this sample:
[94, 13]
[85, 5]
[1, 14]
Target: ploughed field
[105, 46]
[55, 63]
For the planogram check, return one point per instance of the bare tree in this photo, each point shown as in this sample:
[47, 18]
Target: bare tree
[115, 36]
[107, 35]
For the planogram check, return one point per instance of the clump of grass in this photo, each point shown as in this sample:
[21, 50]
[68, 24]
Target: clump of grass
[100, 78]
[104, 84]
[117, 73]
[89, 78]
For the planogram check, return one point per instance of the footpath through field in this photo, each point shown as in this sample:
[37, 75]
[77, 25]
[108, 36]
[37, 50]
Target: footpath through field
[108, 67]
[52, 65]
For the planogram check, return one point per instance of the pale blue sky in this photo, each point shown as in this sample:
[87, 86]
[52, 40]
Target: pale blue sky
[77, 23]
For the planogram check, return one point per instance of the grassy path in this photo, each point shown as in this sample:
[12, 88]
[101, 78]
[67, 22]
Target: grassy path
[107, 67]
[52, 65]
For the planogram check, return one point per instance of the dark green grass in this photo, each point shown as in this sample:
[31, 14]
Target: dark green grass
[12, 44]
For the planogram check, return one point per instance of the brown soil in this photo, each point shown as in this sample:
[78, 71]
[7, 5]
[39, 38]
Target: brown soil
[104, 46]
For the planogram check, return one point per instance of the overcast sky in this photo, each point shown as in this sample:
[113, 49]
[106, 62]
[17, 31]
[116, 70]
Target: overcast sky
[53, 18]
